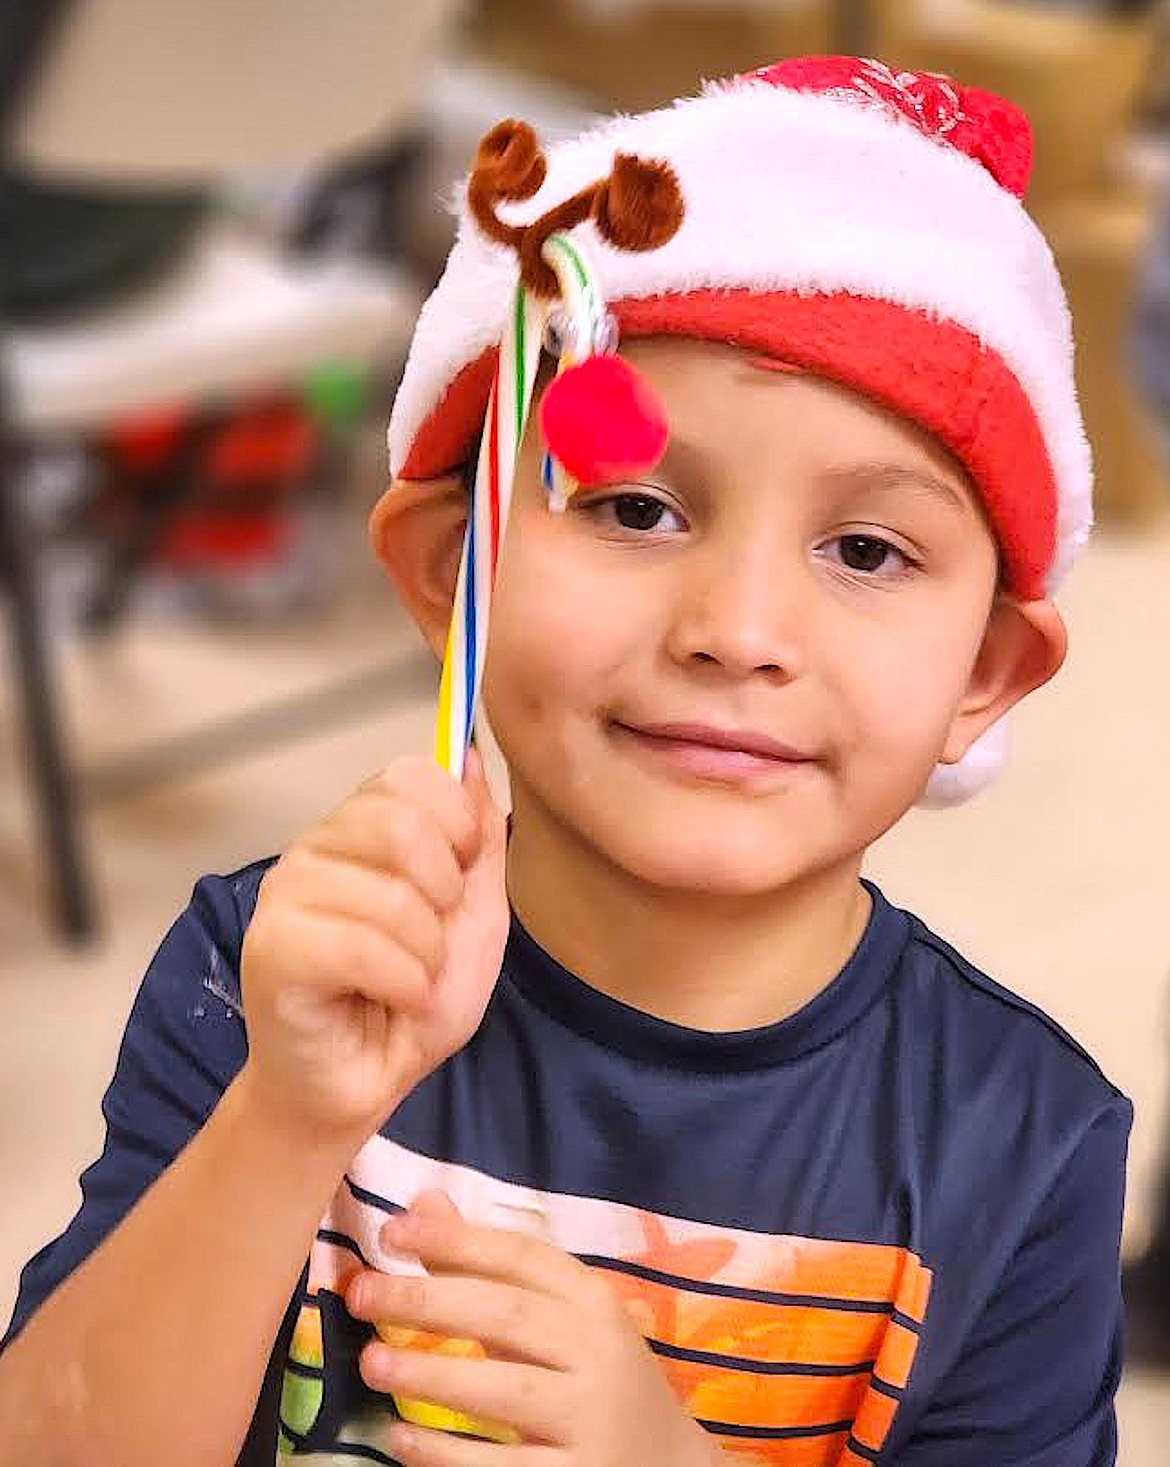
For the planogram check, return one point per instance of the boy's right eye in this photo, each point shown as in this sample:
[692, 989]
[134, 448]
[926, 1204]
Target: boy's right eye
[635, 511]
[638, 511]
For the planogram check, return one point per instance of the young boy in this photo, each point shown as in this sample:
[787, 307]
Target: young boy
[644, 1131]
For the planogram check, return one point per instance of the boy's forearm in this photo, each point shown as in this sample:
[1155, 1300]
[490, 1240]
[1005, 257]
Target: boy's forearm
[159, 1342]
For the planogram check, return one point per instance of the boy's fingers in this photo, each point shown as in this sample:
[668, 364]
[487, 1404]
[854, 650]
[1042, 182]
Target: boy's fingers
[315, 943]
[451, 1245]
[510, 1323]
[421, 783]
[386, 903]
[434, 1203]
[527, 1397]
[416, 1446]
[421, 852]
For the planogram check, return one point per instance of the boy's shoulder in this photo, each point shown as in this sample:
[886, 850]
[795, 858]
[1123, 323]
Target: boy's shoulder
[199, 958]
[231, 896]
[976, 1025]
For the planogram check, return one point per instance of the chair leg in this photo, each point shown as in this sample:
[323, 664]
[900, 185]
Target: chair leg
[165, 498]
[54, 786]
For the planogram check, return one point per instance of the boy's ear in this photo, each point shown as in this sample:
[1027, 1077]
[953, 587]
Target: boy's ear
[416, 529]
[1023, 646]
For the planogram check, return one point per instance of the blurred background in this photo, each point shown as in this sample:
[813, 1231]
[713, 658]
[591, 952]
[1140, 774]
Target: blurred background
[218, 219]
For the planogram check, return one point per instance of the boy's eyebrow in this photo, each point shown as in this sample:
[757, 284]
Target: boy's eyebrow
[887, 476]
[689, 462]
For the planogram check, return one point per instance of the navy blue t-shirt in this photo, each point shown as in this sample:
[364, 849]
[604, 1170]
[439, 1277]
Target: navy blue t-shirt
[885, 1229]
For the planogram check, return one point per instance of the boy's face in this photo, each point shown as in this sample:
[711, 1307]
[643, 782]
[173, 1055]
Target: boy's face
[741, 669]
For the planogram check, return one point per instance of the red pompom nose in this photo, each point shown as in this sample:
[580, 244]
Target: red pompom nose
[601, 421]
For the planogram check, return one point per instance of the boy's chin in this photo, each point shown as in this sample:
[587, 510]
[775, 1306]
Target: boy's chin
[731, 863]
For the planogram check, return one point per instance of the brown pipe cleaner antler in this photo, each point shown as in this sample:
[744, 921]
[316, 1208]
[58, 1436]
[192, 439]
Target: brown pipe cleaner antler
[638, 207]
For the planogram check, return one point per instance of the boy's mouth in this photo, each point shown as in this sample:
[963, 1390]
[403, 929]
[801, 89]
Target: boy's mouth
[712, 752]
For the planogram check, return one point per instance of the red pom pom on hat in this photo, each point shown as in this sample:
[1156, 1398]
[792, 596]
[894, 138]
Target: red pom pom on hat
[989, 129]
[601, 419]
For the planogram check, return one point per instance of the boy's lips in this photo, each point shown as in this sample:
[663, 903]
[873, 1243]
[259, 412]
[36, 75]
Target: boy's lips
[715, 752]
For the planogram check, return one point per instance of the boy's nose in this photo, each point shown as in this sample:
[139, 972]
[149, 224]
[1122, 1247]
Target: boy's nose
[744, 611]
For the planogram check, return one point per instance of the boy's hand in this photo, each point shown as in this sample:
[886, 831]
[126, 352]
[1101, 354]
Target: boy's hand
[566, 1368]
[375, 945]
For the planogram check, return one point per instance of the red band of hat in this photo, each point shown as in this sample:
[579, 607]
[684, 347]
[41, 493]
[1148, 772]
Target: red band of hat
[933, 372]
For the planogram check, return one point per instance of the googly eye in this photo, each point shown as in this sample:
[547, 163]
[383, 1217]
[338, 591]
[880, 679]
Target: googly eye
[605, 336]
[555, 331]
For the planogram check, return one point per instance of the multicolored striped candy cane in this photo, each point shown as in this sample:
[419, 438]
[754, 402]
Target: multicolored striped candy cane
[507, 414]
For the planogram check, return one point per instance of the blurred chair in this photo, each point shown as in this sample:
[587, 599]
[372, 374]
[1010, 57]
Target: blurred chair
[150, 92]
[1080, 77]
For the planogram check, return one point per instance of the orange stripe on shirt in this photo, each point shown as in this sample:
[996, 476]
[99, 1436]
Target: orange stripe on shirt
[751, 1330]
[813, 1451]
[913, 1293]
[896, 1355]
[814, 1267]
[872, 1423]
[748, 1398]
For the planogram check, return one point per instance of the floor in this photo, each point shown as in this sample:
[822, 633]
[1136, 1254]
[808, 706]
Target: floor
[1055, 880]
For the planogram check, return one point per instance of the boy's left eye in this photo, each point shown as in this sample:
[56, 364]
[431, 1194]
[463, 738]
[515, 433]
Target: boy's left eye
[869, 555]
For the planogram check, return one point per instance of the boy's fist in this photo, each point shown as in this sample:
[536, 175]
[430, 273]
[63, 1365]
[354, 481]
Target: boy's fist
[374, 948]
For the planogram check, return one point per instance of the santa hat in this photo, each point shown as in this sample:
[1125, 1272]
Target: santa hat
[864, 224]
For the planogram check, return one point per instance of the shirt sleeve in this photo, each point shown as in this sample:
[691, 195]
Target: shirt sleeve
[183, 1044]
[1035, 1384]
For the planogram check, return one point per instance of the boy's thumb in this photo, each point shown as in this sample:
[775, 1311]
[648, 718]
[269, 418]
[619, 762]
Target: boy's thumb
[434, 1203]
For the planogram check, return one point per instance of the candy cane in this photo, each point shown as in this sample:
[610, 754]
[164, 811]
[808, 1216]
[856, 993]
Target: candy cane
[507, 415]
[625, 425]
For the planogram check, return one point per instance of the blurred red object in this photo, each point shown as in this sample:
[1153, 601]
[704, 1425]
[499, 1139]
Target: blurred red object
[147, 442]
[202, 541]
[265, 446]
[248, 463]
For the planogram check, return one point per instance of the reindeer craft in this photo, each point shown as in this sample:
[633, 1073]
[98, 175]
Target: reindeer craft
[599, 419]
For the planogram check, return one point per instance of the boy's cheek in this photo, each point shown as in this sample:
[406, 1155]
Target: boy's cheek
[553, 629]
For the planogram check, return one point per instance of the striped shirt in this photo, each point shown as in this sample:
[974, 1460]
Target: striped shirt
[883, 1230]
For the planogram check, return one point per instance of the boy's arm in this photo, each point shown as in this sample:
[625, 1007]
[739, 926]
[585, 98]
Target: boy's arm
[159, 1341]
[370, 956]
[117, 1313]
[1035, 1383]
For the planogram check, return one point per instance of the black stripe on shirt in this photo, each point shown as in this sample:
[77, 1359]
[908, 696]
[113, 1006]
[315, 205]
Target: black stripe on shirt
[734, 1291]
[775, 1433]
[298, 1367]
[363, 1194]
[755, 1367]
[884, 1388]
[342, 1240]
[340, 1449]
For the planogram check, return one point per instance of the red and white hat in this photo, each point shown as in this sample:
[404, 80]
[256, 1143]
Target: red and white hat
[862, 223]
